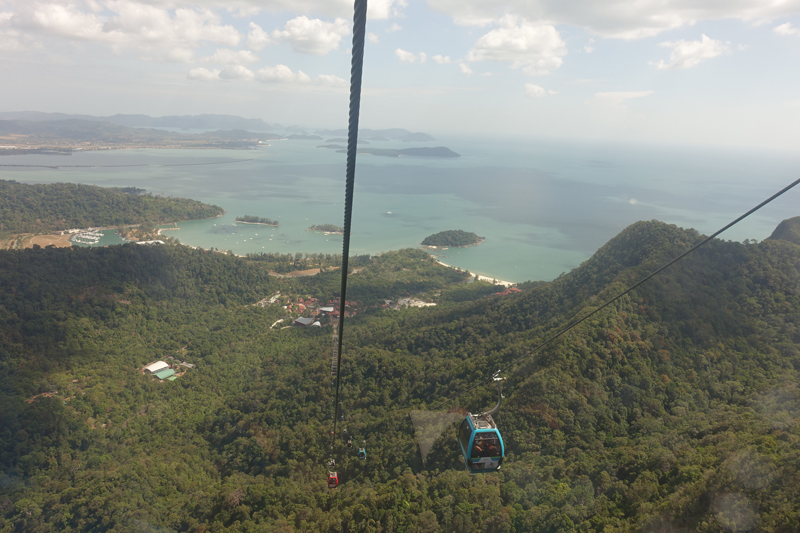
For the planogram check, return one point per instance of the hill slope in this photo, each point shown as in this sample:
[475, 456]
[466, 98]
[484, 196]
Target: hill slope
[41, 208]
[674, 410]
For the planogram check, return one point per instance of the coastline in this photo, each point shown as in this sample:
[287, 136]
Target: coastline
[478, 276]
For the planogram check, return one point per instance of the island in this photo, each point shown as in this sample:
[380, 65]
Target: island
[328, 229]
[250, 219]
[439, 151]
[452, 238]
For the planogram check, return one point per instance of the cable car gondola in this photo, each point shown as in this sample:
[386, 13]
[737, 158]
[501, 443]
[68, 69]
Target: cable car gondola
[333, 480]
[362, 453]
[480, 441]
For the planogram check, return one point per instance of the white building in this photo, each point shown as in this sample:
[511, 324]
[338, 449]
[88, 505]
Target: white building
[158, 366]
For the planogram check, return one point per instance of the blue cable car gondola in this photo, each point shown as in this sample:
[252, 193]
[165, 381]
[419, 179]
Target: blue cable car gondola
[480, 441]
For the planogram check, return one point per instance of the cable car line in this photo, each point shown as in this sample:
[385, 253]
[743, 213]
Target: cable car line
[356, 66]
[575, 323]
[480, 440]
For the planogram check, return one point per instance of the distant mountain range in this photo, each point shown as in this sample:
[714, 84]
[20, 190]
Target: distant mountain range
[210, 122]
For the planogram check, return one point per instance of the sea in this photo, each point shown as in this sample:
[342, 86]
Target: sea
[544, 206]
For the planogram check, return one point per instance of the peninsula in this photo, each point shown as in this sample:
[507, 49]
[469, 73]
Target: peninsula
[452, 238]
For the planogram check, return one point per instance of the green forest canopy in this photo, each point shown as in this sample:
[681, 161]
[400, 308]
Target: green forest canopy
[453, 237]
[675, 409]
[43, 208]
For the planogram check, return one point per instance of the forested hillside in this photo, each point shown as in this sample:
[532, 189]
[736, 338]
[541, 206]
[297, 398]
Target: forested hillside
[676, 409]
[42, 208]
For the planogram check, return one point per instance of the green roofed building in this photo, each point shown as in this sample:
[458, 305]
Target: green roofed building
[164, 374]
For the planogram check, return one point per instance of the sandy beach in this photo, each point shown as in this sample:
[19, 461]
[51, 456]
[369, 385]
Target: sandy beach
[482, 278]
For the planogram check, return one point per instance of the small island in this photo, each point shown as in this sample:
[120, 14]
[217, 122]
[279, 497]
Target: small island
[328, 229]
[452, 238]
[250, 219]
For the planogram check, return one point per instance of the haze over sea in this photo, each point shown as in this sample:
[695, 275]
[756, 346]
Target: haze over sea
[543, 206]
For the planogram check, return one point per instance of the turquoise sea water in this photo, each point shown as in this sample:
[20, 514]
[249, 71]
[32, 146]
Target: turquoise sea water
[543, 206]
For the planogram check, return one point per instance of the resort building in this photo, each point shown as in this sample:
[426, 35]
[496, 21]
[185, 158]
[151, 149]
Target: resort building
[153, 368]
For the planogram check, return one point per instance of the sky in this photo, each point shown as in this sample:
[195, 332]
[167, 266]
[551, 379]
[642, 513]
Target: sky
[699, 72]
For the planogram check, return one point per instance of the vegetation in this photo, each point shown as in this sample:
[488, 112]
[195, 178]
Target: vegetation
[44, 208]
[452, 238]
[675, 409]
[327, 228]
[250, 219]
[788, 230]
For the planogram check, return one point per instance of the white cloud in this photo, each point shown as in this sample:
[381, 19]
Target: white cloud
[313, 36]
[618, 98]
[329, 80]
[281, 74]
[373, 38]
[786, 29]
[589, 48]
[376, 9]
[394, 27]
[236, 72]
[152, 31]
[534, 91]
[440, 59]
[226, 56]
[423, 57]
[688, 54]
[203, 74]
[407, 57]
[464, 68]
[257, 38]
[537, 49]
[616, 18]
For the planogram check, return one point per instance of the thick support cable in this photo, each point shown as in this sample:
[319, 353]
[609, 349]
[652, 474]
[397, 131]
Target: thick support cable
[357, 62]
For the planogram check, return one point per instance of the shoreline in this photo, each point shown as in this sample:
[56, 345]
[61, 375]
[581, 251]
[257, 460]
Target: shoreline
[478, 276]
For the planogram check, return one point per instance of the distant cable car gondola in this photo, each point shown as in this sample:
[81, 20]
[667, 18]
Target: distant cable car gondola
[480, 441]
[333, 480]
[362, 453]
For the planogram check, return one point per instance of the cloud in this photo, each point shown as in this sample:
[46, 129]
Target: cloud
[786, 29]
[225, 56]
[376, 9]
[688, 54]
[281, 74]
[589, 48]
[257, 38]
[154, 32]
[464, 68]
[618, 98]
[329, 80]
[534, 91]
[409, 57]
[536, 49]
[373, 38]
[203, 74]
[441, 60]
[394, 27]
[614, 18]
[313, 36]
[236, 72]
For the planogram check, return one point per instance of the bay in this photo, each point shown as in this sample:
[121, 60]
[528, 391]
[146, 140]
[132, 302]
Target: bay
[544, 206]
